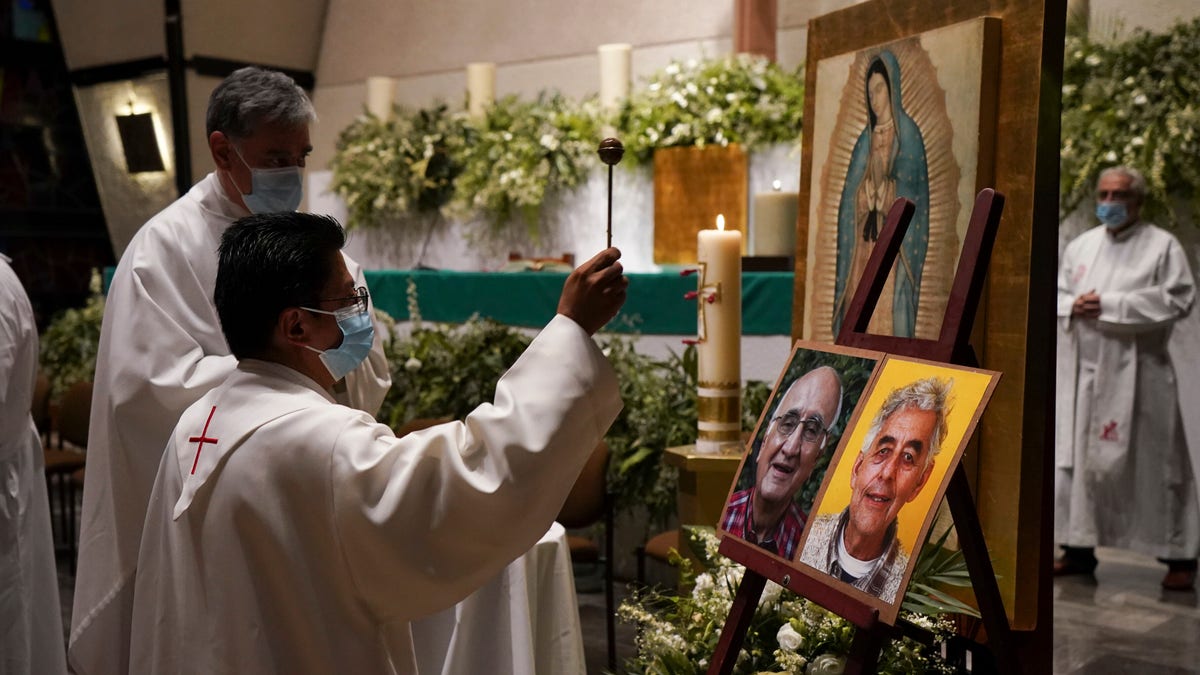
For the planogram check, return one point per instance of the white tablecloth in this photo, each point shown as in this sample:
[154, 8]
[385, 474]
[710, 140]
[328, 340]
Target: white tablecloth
[525, 621]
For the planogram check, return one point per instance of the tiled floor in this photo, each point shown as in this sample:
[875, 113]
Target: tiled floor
[1119, 622]
[1122, 621]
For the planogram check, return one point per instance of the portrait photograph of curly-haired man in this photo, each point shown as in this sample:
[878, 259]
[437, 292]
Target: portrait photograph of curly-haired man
[883, 487]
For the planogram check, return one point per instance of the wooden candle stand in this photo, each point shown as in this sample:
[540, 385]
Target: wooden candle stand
[952, 346]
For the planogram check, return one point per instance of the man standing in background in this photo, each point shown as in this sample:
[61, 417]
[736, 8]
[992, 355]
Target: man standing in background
[1122, 473]
[30, 619]
[161, 345]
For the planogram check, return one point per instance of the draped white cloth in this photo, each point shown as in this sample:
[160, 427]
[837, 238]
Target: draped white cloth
[524, 621]
[1123, 476]
[161, 349]
[30, 619]
[287, 534]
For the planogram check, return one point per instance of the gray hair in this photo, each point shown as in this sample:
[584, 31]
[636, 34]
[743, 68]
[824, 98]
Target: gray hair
[930, 394]
[251, 96]
[1137, 182]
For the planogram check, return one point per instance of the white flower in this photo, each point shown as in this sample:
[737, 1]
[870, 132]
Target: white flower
[788, 638]
[827, 664]
[549, 142]
[1137, 141]
[1110, 156]
[1140, 99]
[673, 68]
[413, 364]
[770, 595]
[1092, 60]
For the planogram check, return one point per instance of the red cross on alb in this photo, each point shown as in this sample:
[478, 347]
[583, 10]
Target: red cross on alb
[202, 439]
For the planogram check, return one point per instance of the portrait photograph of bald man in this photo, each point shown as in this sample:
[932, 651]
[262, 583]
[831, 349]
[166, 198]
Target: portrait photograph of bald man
[796, 435]
[882, 491]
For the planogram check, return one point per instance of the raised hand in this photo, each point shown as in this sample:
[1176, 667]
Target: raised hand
[595, 291]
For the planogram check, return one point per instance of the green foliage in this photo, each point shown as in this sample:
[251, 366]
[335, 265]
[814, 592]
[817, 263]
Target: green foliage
[1134, 102]
[70, 343]
[936, 568]
[392, 171]
[738, 98]
[678, 633]
[441, 370]
[501, 170]
[754, 399]
[521, 154]
[660, 412]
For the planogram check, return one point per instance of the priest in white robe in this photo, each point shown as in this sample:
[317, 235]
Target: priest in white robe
[161, 346]
[1123, 477]
[30, 618]
[289, 534]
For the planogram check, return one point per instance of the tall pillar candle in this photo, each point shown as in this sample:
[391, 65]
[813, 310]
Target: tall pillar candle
[381, 92]
[775, 215]
[615, 66]
[719, 349]
[481, 88]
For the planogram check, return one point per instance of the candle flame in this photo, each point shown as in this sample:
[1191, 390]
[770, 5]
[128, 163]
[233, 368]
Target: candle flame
[777, 185]
[721, 222]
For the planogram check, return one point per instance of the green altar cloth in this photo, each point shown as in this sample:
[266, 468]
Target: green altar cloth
[655, 304]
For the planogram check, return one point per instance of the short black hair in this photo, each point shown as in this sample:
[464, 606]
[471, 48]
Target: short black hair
[267, 263]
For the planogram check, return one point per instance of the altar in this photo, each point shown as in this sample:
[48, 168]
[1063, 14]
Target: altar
[655, 305]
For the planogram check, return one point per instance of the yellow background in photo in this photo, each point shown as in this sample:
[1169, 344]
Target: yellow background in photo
[966, 394]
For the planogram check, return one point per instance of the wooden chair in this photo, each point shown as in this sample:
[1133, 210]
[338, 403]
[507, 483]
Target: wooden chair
[589, 503]
[64, 463]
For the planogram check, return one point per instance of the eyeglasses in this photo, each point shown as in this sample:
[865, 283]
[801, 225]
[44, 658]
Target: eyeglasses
[357, 302]
[1104, 195]
[811, 429]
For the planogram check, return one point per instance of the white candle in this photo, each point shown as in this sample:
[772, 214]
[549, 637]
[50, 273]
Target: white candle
[615, 66]
[381, 92]
[481, 88]
[775, 214]
[719, 351]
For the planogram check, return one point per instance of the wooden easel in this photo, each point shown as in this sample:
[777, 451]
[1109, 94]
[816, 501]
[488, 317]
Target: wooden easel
[952, 346]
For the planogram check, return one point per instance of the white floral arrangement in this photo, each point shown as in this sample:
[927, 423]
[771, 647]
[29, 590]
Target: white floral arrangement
[1133, 101]
[677, 635]
[523, 153]
[393, 170]
[740, 98]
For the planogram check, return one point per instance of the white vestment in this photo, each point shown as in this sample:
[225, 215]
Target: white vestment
[288, 534]
[1122, 473]
[161, 349]
[30, 618]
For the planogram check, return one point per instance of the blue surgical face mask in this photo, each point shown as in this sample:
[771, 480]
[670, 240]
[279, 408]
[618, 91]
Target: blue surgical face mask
[358, 334]
[272, 190]
[1112, 214]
